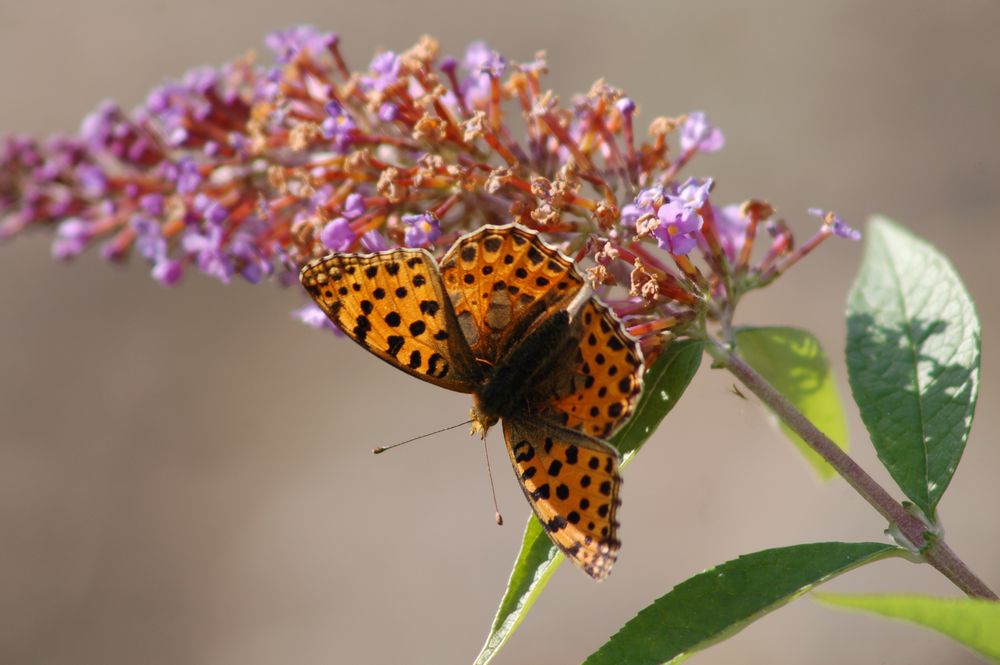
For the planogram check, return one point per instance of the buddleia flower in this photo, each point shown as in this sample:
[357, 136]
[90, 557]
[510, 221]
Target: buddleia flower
[250, 170]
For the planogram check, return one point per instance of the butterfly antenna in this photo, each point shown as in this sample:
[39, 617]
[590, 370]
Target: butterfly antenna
[382, 449]
[493, 489]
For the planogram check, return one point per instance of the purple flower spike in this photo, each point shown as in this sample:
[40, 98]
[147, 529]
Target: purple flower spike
[678, 229]
[475, 88]
[245, 252]
[693, 193]
[373, 241]
[731, 225]
[495, 65]
[337, 235]
[625, 105]
[71, 238]
[696, 132]
[185, 174]
[148, 240]
[421, 230]
[642, 205]
[538, 66]
[836, 224]
[385, 67]
[286, 44]
[313, 316]
[93, 182]
[354, 206]
[338, 126]
[209, 255]
[153, 204]
[477, 54]
[167, 271]
[211, 211]
[254, 169]
[97, 126]
[387, 112]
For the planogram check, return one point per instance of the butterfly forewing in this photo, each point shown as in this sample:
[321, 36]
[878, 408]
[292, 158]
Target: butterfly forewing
[571, 481]
[500, 280]
[394, 304]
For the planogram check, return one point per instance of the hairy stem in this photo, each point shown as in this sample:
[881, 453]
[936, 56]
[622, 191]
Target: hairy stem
[932, 549]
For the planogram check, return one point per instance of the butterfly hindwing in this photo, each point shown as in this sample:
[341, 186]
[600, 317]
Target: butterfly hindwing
[606, 376]
[500, 280]
[394, 304]
[571, 481]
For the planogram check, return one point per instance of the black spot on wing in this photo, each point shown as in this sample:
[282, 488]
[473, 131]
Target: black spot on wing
[395, 345]
[436, 365]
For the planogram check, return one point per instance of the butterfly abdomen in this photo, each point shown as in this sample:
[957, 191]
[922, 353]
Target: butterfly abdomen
[513, 379]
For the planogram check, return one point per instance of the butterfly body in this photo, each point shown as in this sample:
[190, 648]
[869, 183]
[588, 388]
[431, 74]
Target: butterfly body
[507, 318]
[511, 386]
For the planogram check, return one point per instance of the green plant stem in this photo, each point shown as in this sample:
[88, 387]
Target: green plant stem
[932, 549]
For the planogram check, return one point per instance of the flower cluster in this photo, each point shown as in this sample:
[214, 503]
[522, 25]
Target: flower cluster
[252, 170]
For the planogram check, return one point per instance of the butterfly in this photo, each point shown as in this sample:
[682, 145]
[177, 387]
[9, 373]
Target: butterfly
[508, 318]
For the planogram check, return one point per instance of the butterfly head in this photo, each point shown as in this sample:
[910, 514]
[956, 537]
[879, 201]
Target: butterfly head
[482, 421]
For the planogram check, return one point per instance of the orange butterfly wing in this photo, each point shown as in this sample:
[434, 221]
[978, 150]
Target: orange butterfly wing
[607, 375]
[571, 481]
[394, 304]
[501, 279]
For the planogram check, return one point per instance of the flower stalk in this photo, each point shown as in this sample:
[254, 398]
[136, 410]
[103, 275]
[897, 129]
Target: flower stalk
[931, 547]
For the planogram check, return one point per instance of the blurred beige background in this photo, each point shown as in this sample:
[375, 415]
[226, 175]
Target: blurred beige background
[185, 475]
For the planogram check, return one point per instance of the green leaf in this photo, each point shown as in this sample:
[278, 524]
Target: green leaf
[535, 564]
[664, 383]
[793, 361]
[972, 622]
[719, 602]
[913, 359]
